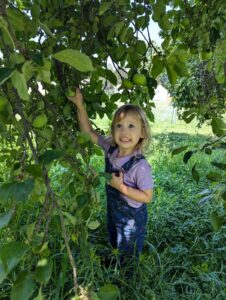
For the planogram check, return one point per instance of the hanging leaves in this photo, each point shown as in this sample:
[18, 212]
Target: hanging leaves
[20, 84]
[5, 74]
[10, 255]
[5, 218]
[75, 59]
[16, 190]
[23, 287]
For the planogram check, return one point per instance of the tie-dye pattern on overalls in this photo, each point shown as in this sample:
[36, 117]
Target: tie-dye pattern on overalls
[126, 225]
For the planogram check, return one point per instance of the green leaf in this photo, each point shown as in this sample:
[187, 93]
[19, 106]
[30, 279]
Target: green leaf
[157, 66]
[76, 59]
[178, 150]
[17, 190]
[44, 270]
[93, 225]
[164, 23]
[50, 155]
[223, 195]
[158, 10]
[189, 118]
[30, 230]
[140, 47]
[17, 19]
[83, 138]
[208, 151]
[214, 176]
[216, 221]
[70, 218]
[115, 97]
[5, 218]
[104, 7]
[195, 174]
[45, 28]
[150, 115]
[5, 74]
[40, 295]
[166, 42]
[7, 36]
[109, 292]
[221, 166]
[28, 70]
[23, 288]
[181, 69]
[44, 72]
[118, 27]
[20, 84]
[10, 255]
[111, 77]
[187, 156]
[123, 34]
[172, 74]
[120, 51]
[34, 170]
[218, 126]
[141, 22]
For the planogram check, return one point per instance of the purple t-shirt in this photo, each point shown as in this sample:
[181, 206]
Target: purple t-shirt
[139, 176]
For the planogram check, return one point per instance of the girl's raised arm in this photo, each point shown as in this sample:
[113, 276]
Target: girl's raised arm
[83, 119]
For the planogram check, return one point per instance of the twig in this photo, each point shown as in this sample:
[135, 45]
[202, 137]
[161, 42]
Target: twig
[66, 239]
[214, 142]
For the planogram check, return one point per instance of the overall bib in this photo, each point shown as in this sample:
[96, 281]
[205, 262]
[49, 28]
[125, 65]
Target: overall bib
[126, 225]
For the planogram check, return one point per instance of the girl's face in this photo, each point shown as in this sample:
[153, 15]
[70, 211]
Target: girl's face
[127, 133]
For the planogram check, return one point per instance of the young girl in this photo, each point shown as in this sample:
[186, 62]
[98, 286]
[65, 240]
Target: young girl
[131, 186]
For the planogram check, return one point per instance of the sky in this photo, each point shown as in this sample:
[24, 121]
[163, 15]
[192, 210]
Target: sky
[154, 32]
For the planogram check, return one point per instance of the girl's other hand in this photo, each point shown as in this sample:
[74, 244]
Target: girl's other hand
[77, 99]
[117, 181]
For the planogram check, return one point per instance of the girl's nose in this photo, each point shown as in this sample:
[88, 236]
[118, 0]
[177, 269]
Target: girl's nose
[123, 129]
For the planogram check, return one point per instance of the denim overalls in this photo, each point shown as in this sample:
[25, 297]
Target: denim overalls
[126, 225]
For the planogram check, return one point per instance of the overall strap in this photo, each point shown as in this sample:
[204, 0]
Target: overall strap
[111, 149]
[127, 166]
[108, 165]
[132, 161]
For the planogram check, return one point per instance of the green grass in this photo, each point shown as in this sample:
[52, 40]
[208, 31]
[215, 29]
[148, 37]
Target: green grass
[183, 256]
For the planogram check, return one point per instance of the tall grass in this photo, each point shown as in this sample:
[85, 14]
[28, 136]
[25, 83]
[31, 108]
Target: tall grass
[183, 257]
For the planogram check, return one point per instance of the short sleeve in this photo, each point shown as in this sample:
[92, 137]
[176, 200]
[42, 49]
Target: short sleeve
[104, 142]
[144, 179]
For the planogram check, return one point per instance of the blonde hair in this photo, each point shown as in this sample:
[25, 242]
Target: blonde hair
[120, 114]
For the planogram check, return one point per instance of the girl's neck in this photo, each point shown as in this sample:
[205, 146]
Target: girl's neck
[123, 153]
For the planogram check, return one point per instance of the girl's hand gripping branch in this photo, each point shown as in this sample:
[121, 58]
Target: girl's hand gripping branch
[77, 99]
[83, 119]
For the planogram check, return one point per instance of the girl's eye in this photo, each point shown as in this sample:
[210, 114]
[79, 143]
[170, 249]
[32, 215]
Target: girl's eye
[118, 125]
[131, 126]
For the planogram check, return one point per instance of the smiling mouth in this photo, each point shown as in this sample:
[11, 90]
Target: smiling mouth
[125, 141]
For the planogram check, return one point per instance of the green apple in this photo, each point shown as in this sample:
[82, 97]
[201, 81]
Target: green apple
[185, 22]
[70, 93]
[139, 79]
[126, 83]
[40, 121]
